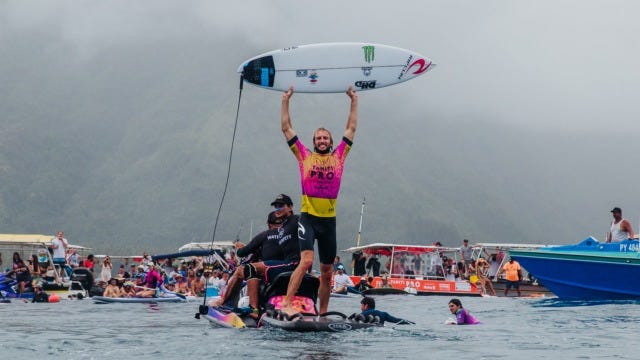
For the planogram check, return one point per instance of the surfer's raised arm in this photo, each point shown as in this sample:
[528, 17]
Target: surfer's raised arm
[285, 118]
[352, 121]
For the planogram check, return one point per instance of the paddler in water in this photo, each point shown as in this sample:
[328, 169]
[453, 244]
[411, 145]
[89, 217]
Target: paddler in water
[463, 317]
[320, 173]
[368, 307]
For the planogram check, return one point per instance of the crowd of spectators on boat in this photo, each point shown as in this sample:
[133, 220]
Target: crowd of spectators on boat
[189, 278]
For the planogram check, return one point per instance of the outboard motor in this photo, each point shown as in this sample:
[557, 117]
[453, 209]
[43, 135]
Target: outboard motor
[84, 276]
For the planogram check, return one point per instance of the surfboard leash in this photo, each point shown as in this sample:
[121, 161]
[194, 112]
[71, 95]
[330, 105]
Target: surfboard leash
[203, 308]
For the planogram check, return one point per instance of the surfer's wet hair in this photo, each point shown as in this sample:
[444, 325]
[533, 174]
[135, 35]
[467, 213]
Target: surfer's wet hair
[369, 301]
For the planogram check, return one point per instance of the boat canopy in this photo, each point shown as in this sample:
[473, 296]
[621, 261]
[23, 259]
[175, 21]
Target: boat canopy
[387, 249]
[31, 240]
[185, 254]
[216, 245]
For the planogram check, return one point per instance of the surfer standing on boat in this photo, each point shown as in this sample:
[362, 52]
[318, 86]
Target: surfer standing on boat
[620, 228]
[320, 175]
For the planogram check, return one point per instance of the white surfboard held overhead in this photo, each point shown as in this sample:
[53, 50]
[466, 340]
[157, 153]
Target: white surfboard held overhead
[333, 67]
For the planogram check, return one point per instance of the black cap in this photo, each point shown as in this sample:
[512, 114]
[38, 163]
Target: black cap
[616, 209]
[273, 219]
[282, 199]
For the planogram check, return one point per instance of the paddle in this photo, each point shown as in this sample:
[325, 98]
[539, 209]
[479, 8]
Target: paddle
[163, 289]
[181, 296]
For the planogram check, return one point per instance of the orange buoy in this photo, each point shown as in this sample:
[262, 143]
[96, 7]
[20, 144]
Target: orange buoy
[54, 298]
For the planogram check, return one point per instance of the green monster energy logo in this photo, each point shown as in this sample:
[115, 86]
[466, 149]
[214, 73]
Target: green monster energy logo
[369, 53]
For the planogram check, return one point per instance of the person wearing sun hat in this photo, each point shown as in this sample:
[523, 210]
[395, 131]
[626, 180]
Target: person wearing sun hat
[128, 289]
[341, 281]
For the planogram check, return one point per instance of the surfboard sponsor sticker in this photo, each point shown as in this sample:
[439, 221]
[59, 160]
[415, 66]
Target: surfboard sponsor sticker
[339, 326]
[313, 77]
[367, 84]
[369, 53]
[302, 73]
[404, 68]
[422, 66]
[366, 70]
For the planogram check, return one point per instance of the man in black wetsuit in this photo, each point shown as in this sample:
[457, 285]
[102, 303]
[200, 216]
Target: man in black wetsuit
[286, 237]
[368, 306]
[263, 246]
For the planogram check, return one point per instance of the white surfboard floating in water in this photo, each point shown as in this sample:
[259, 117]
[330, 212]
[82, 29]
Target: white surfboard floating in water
[333, 67]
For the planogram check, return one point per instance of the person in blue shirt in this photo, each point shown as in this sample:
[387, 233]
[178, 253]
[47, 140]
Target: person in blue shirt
[368, 306]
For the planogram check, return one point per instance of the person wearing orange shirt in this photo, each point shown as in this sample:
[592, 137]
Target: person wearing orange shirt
[513, 275]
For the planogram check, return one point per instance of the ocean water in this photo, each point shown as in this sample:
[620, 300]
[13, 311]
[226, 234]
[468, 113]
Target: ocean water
[513, 328]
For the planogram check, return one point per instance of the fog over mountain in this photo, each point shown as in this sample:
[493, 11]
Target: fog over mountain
[116, 120]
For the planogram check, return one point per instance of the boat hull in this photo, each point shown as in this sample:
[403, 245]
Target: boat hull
[420, 286]
[586, 271]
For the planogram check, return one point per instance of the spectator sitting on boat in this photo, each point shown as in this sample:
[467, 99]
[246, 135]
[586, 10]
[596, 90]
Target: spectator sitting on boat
[112, 290]
[196, 286]
[373, 266]
[450, 268]
[463, 317]
[385, 279]
[620, 228]
[341, 281]
[139, 276]
[152, 282]
[128, 289]
[21, 271]
[364, 284]
[224, 282]
[368, 307]
[39, 295]
[181, 286]
[482, 266]
[34, 268]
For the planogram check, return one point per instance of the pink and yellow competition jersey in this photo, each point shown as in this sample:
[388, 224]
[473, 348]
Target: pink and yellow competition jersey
[320, 175]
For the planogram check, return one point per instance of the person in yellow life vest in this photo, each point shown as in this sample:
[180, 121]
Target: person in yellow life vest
[513, 276]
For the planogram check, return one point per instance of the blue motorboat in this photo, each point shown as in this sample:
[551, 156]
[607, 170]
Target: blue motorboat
[589, 270]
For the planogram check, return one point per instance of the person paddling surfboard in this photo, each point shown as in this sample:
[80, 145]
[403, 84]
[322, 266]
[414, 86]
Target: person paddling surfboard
[320, 175]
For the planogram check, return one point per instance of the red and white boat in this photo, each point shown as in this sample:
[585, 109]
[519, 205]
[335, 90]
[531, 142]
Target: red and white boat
[414, 269]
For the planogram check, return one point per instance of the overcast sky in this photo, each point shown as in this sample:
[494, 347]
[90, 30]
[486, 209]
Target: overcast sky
[559, 65]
